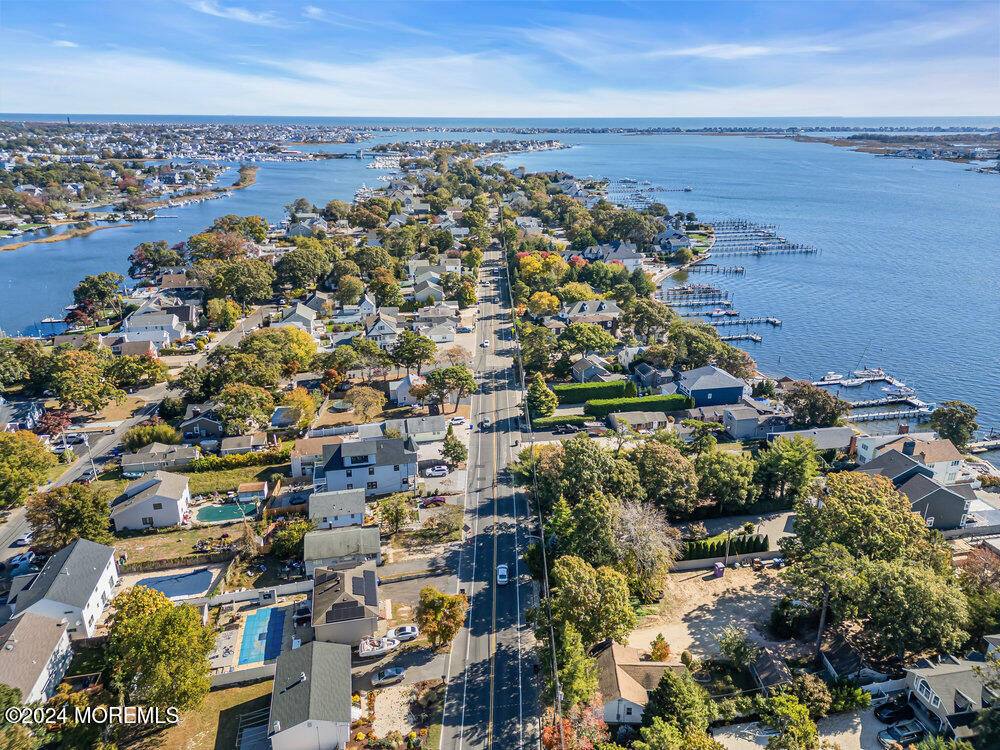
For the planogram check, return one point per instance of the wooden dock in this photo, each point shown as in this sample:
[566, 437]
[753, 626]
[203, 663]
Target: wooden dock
[745, 322]
[754, 337]
[982, 446]
[762, 251]
[695, 303]
[916, 403]
[920, 415]
[712, 268]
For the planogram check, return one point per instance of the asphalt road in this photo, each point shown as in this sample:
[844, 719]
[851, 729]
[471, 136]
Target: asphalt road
[491, 695]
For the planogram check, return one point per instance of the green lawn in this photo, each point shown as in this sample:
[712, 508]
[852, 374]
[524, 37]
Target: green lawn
[86, 661]
[435, 707]
[166, 545]
[225, 480]
[447, 529]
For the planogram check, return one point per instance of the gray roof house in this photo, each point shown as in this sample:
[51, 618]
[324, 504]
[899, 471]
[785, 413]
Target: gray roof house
[754, 420]
[421, 429]
[708, 386]
[156, 456]
[156, 500]
[35, 653]
[345, 603]
[303, 317]
[824, 438]
[949, 694]
[380, 466]
[343, 544]
[75, 584]
[941, 506]
[311, 698]
[589, 367]
[338, 508]
[201, 420]
[638, 420]
[895, 467]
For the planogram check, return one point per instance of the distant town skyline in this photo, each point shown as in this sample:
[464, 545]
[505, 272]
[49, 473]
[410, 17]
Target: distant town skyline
[493, 59]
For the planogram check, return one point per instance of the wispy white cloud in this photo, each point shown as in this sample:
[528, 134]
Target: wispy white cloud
[233, 12]
[64, 43]
[311, 11]
[740, 51]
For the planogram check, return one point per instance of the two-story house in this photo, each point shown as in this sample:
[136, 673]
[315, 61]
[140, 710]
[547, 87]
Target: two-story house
[707, 386]
[939, 455]
[329, 510]
[75, 584]
[35, 653]
[341, 545]
[345, 603]
[947, 695]
[379, 466]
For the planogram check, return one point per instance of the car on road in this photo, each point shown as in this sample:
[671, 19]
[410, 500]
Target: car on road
[23, 541]
[87, 477]
[566, 429]
[485, 424]
[404, 633]
[432, 502]
[72, 439]
[436, 471]
[906, 734]
[893, 712]
[501, 575]
[388, 676]
[485, 345]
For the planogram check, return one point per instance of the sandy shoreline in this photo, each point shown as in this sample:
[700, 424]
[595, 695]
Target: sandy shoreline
[68, 235]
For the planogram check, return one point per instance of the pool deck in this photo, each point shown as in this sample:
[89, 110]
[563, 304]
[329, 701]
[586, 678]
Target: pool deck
[131, 579]
[226, 655]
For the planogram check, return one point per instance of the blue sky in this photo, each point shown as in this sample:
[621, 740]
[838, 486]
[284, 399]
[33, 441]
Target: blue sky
[491, 59]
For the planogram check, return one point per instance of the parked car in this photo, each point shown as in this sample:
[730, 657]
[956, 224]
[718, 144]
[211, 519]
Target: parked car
[432, 502]
[465, 329]
[22, 559]
[23, 541]
[300, 500]
[388, 676]
[87, 477]
[501, 575]
[566, 429]
[404, 633]
[436, 471]
[904, 735]
[456, 420]
[893, 712]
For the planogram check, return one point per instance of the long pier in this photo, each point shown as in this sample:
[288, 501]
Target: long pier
[984, 445]
[745, 322]
[913, 401]
[702, 303]
[921, 415]
[754, 337]
[763, 251]
[869, 379]
[712, 268]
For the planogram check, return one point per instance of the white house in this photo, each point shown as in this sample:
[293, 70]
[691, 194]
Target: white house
[625, 680]
[940, 456]
[329, 510]
[303, 318]
[149, 323]
[869, 445]
[35, 653]
[311, 698]
[155, 500]
[341, 545]
[380, 466]
[382, 329]
[76, 583]
[440, 333]
[399, 390]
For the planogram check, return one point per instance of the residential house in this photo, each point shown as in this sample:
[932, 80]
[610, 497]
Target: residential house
[74, 585]
[156, 500]
[869, 445]
[341, 544]
[769, 670]
[383, 329]
[439, 313]
[427, 290]
[331, 510]
[638, 420]
[239, 444]
[939, 455]
[149, 323]
[311, 698]
[895, 467]
[649, 377]
[948, 694]
[707, 386]
[201, 420]
[380, 466]
[399, 390]
[302, 317]
[20, 414]
[940, 506]
[602, 312]
[627, 354]
[251, 492]
[35, 653]
[307, 451]
[421, 429]
[157, 456]
[320, 302]
[366, 307]
[625, 680]
[754, 420]
[824, 438]
[441, 333]
[345, 603]
[588, 368]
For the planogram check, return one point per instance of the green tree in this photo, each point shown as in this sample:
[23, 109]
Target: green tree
[393, 512]
[64, 514]
[537, 346]
[158, 652]
[78, 379]
[247, 280]
[453, 449]
[301, 267]
[144, 434]
[341, 268]
[813, 693]
[678, 700]
[641, 282]
[440, 615]
[937, 742]
[727, 479]
[367, 402]
[101, 290]
[955, 421]
[659, 649]
[244, 408]
[796, 731]
[249, 227]
[596, 602]
[288, 540]
[668, 478]
[412, 350]
[541, 400]
[465, 295]
[24, 460]
[577, 670]
[786, 469]
[648, 319]
[223, 313]
[303, 404]
[812, 406]
[349, 290]
[136, 371]
[735, 644]
[577, 338]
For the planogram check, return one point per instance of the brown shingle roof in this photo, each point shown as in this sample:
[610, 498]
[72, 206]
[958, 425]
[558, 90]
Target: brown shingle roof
[623, 674]
[928, 451]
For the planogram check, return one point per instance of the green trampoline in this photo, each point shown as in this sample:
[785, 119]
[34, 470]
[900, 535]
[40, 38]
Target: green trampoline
[227, 512]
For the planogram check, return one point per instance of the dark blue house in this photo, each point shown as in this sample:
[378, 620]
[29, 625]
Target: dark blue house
[709, 386]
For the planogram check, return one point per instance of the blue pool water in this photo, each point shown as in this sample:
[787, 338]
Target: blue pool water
[262, 635]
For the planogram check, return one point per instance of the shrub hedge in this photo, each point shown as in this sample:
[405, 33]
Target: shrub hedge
[556, 421]
[603, 406]
[239, 460]
[578, 393]
[738, 545]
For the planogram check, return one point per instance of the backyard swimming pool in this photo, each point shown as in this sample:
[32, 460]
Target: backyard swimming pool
[188, 584]
[262, 635]
[227, 512]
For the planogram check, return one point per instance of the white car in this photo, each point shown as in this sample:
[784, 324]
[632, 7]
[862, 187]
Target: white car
[485, 345]
[436, 471]
[23, 541]
[457, 420]
[404, 633]
[501, 575]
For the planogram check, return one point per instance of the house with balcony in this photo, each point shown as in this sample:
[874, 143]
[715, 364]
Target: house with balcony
[948, 694]
[380, 466]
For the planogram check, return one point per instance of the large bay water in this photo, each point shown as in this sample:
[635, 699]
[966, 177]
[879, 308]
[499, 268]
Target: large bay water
[908, 272]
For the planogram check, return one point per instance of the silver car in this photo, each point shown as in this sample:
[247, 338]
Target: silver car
[388, 676]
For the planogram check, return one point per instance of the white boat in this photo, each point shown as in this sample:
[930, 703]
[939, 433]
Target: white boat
[853, 382]
[831, 377]
[370, 648]
[899, 390]
[876, 372]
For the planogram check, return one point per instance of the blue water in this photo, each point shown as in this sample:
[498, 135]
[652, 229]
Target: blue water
[907, 270]
[262, 635]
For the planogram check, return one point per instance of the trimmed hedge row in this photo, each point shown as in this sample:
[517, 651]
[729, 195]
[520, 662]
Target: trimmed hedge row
[603, 406]
[239, 460]
[578, 393]
[577, 419]
[738, 545]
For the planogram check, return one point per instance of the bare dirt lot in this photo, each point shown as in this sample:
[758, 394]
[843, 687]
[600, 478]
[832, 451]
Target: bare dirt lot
[697, 606]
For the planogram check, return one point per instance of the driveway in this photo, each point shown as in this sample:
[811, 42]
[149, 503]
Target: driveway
[856, 730]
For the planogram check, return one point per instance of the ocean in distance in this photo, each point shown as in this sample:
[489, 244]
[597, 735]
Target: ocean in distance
[907, 277]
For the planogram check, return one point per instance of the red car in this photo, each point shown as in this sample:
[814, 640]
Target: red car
[432, 502]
